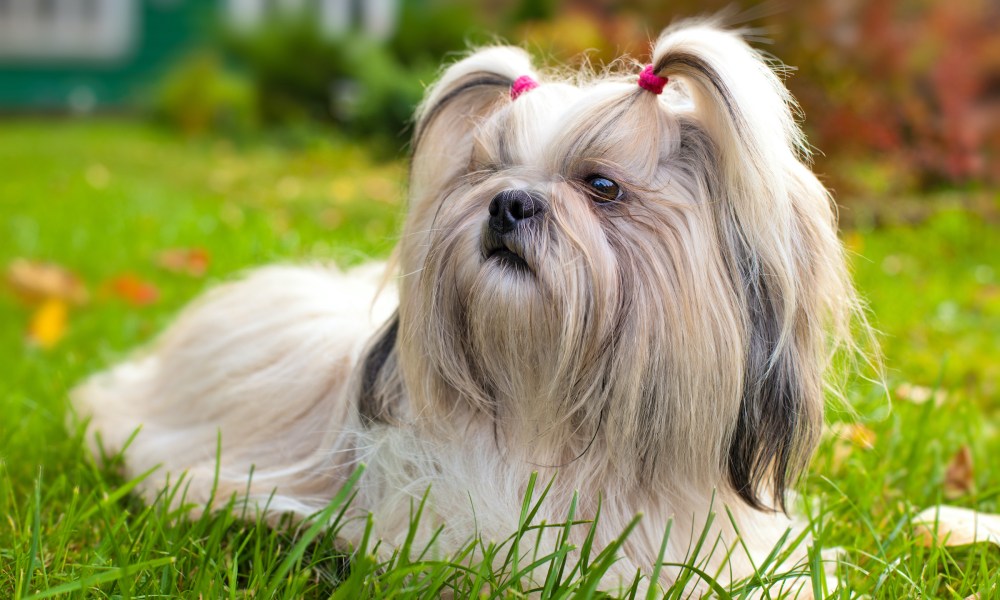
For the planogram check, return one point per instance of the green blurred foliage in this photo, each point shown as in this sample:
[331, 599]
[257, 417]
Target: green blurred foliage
[899, 96]
[303, 76]
[430, 30]
[200, 95]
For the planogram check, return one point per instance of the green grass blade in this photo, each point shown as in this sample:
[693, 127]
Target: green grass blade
[99, 578]
[36, 528]
[654, 578]
[319, 523]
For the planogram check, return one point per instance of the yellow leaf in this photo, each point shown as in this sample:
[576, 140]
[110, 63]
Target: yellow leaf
[48, 324]
[856, 433]
[863, 437]
[854, 242]
[954, 526]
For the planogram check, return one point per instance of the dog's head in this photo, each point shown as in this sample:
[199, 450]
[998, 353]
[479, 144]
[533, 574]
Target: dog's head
[649, 281]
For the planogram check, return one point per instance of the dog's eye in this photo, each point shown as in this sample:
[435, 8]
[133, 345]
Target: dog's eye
[603, 189]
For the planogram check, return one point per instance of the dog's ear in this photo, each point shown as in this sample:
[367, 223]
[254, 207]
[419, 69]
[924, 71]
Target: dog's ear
[466, 93]
[469, 89]
[777, 227]
[745, 109]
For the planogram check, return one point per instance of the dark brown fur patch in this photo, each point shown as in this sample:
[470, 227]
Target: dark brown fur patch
[374, 404]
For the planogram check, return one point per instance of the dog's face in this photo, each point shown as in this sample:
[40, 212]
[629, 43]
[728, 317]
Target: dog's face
[644, 284]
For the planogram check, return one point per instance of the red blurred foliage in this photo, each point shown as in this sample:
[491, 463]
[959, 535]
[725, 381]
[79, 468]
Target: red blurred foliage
[911, 85]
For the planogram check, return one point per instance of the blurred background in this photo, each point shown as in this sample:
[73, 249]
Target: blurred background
[146, 145]
[152, 148]
[901, 96]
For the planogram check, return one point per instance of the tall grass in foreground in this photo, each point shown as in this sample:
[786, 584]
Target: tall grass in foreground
[159, 551]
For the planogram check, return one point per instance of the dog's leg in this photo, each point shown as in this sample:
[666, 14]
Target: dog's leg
[262, 364]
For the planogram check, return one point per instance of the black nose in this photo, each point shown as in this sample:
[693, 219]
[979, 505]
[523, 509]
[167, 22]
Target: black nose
[510, 207]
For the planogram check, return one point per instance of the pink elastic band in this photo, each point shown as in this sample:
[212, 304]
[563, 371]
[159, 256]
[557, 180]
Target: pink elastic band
[648, 80]
[522, 84]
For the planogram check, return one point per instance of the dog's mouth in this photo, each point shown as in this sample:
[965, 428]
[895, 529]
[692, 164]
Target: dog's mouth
[508, 258]
[504, 253]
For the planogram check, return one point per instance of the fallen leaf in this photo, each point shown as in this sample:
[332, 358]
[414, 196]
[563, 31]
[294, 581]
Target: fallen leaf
[188, 261]
[48, 324]
[954, 526]
[135, 291]
[958, 478]
[862, 436]
[919, 394]
[848, 437]
[37, 282]
[856, 433]
[992, 593]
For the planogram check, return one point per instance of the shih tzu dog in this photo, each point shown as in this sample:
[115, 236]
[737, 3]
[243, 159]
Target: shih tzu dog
[634, 288]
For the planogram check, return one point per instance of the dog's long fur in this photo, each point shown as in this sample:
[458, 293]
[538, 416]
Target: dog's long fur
[656, 352]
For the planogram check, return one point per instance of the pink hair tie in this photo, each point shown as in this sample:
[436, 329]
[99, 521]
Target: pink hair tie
[648, 80]
[522, 84]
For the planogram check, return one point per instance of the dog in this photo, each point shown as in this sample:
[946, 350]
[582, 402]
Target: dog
[632, 287]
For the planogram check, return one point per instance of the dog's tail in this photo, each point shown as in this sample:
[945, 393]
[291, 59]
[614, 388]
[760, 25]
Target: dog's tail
[256, 373]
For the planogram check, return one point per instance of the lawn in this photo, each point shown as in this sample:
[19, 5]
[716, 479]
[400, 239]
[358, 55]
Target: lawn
[107, 199]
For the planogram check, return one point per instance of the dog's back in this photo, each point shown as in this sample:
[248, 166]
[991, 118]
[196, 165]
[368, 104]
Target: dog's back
[261, 366]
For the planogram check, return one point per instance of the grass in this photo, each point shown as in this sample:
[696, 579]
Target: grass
[105, 198]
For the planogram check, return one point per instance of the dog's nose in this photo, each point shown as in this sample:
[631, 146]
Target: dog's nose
[510, 207]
